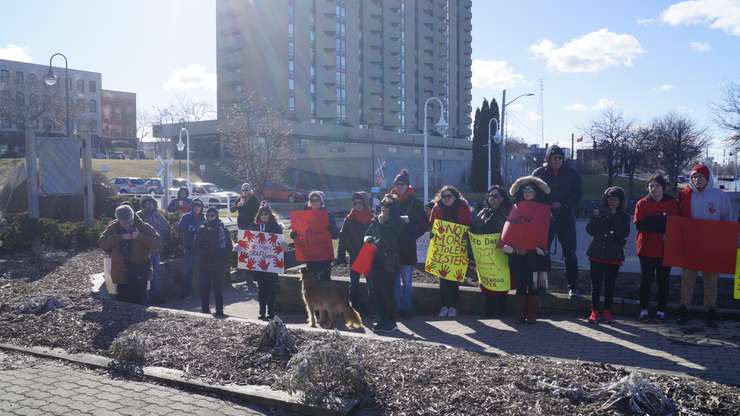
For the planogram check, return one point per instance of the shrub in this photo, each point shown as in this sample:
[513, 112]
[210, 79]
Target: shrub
[128, 349]
[326, 370]
[17, 231]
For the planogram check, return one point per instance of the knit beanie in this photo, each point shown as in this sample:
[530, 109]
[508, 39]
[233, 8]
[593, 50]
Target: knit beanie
[246, 187]
[700, 168]
[317, 194]
[555, 150]
[402, 177]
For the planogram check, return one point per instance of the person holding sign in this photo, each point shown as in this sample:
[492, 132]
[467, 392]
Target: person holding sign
[488, 222]
[651, 213]
[319, 268]
[384, 232]
[528, 266]
[265, 222]
[449, 205]
[350, 241]
[609, 226]
[702, 201]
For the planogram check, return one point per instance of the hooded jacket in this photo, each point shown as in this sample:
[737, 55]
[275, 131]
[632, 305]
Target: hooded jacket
[188, 226]
[609, 231]
[182, 195]
[709, 204]
[212, 243]
[155, 218]
[354, 228]
[247, 212]
[137, 254]
[386, 236]
[565, 185]
[650, 219]
[412, 208]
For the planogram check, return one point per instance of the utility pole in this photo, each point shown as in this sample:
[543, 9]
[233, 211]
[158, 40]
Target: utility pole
[502, 153]
[572, 145]
[542, 111]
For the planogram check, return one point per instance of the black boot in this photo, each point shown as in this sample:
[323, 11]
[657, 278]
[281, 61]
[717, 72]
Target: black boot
[711, 318]
[521, 303]
[683, 315]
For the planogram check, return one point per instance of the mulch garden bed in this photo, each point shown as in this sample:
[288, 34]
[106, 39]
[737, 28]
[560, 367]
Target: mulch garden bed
[403, 377]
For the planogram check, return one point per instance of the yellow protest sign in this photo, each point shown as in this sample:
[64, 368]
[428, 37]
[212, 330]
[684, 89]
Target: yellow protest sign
[447, 256]
[736, 292]
[491, 264]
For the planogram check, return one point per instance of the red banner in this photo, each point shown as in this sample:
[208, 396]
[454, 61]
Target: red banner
[702, 245]
[364, 261]
[527, 226]
[313, 239]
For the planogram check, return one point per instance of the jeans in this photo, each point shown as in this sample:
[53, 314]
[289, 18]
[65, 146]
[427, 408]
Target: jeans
[652, 267]
[564, 226]
[603, 275]
[688, 280]
[155, 288]
[266, 292]
[211, 276]
[134, 290]
[402, 288]
[188, 262]
[383, 291]
[449, 292]
[356, 292]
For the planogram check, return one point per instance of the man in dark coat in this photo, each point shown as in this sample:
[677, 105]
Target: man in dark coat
[212, 244]
[247, 206]
[566, 191]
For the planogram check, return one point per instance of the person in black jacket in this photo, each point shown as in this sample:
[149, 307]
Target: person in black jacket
[609, 226]
[212, 245]
[350, 241]
[247, 205]
[566, 191]
[412, 212]
[265, 221]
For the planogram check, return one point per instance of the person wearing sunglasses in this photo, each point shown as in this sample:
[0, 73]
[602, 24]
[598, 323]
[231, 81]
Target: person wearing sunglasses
[246, 206]
[449, 205]
[490, 218]
[350, 241]
[566, 191]
[212, 245]
[265, 221]
[317, 202]
[412, 211]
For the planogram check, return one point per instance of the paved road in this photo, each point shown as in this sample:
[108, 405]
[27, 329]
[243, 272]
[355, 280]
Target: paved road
[34, 386]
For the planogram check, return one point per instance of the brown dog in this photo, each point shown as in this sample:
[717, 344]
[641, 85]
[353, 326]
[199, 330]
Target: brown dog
[329, 299]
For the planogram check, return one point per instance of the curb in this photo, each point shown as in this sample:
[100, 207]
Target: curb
[261, 395]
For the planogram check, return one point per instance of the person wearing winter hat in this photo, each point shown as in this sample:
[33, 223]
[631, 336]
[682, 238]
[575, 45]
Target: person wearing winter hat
[566, 191]
[529, 268]
[609, 226]
[212, 244]
[317, 202]
[150, 215]
[247, 206]
[350, 241]
[265, 221]
[702, 201]
[412, 211]
[651, 213]
[188, 226]
[182, 202]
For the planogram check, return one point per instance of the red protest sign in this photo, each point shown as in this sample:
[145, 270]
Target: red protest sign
[702, 245]
[313, 239]
[364, 261]
[527, 226]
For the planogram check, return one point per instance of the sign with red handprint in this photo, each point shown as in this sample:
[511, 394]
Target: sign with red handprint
[261, 252]
[312, 240]
[447, 257]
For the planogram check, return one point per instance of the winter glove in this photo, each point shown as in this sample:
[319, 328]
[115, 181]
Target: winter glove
[368, 239]
[540, 251]
[508, 249]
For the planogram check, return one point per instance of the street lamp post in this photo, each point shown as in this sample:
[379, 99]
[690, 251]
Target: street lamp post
[441, 127]
[497, 140]
[50, 79]
[182, 146]
[504, 156]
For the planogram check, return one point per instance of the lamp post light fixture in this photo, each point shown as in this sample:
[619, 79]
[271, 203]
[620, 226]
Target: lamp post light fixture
[504, 104]
[183, 146]
[441, 128]
[50, 79]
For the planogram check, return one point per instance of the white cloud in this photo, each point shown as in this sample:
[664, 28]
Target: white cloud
[15, 53]
[592, 52]
[576, 108]
[516, 107]
[533, 116]
[717, 14]
[191, 77]
[649, 21]
[666, 87]
[604, 103]
[700, 46]
[495, 75]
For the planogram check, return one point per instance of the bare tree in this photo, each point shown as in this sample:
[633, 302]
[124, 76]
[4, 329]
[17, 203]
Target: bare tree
[678, 142]
[609, 133]
[144, 121]
[727, 112]
[638, 152]
[185, 110]
[257, 140]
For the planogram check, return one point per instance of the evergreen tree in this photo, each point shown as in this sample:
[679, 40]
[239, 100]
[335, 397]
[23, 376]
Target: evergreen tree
[478, 170]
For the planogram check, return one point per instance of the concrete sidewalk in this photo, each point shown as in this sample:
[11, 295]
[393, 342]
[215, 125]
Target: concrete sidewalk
[692, 350]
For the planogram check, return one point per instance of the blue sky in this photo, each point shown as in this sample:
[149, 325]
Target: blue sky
[634, 55]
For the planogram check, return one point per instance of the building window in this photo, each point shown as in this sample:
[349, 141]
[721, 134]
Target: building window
[291, 103]
[19, 78]
[80, 85]
[93, 106]
[80, 105]
[4, 75]
[92, 86]
[20, 100]
[33, 80]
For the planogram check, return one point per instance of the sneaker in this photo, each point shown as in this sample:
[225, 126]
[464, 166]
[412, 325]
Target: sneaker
[608, 317]
[683, 315]
[219, 315]
[659, 317]
[452, 312]
[262, 318]
[388, 328]
[205, 311]
[377, 327]
[711, 319]
[443, 312]
[571, 293]
[643, 315]
[594, 317]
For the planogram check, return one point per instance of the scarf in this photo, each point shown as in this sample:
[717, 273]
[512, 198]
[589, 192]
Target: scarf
[364, 216]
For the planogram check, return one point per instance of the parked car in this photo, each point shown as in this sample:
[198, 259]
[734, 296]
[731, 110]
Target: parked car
[123, 185]
[278, 192]
[210, 194]
[118, 155]
[154, 186]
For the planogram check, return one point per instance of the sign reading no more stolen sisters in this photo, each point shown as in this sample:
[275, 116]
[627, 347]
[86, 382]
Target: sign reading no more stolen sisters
[447, 257]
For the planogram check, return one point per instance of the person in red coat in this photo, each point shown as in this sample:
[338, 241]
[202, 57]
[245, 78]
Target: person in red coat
[651, 213]
[449, 205]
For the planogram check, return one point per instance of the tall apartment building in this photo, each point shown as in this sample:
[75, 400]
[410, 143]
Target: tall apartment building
[367, 64]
